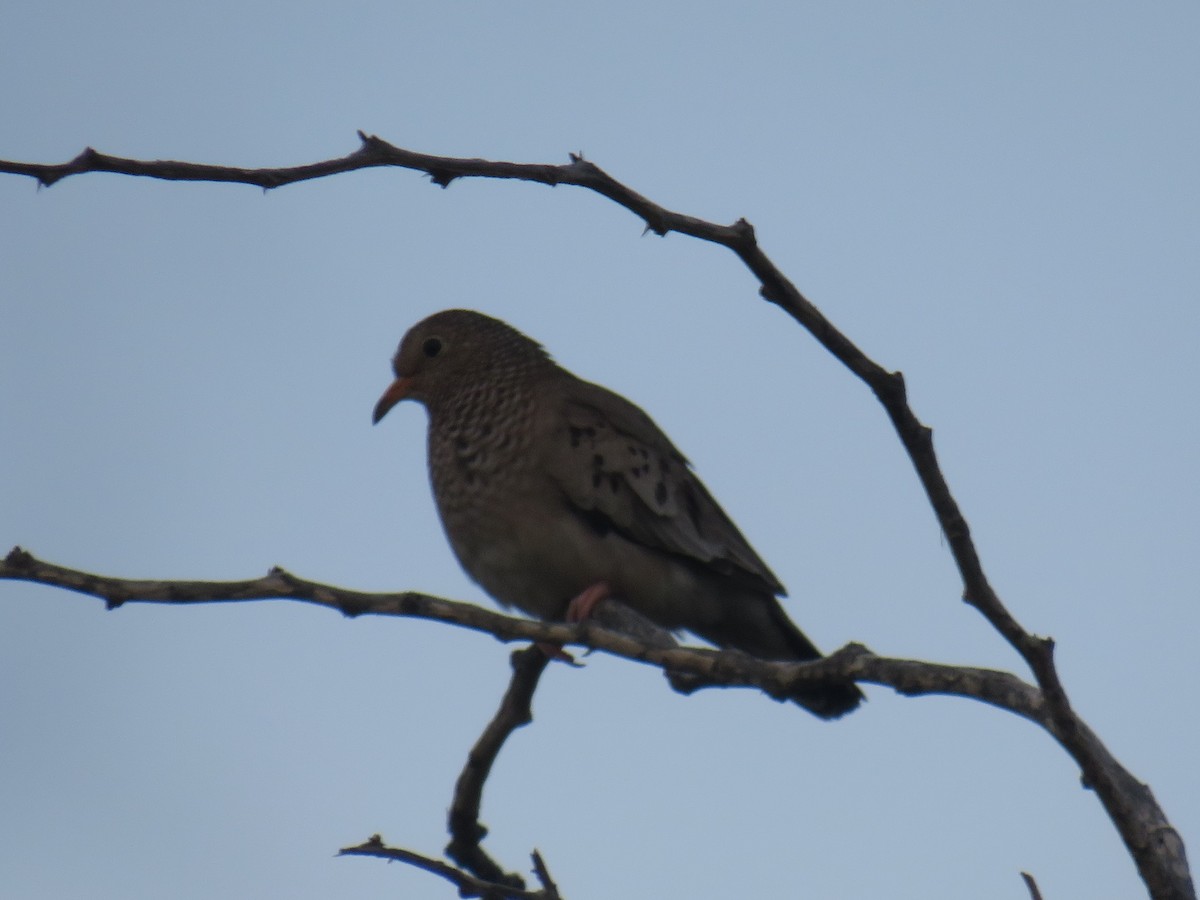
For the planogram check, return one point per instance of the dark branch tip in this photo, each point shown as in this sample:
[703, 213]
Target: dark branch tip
[542, 871]
[1031, 885]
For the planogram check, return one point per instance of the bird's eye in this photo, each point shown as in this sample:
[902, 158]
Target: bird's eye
[432, 346]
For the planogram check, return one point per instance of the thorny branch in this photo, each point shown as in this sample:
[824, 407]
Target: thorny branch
[1156, 847]
[614, 629]
[691, 668]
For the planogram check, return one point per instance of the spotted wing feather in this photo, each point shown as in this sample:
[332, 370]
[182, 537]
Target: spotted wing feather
[617, 468]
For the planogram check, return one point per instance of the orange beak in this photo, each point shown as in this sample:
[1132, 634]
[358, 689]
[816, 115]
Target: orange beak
[396, 392]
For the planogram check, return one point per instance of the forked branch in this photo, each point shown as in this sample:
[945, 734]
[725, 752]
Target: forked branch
[690, 668]
[1155, 846]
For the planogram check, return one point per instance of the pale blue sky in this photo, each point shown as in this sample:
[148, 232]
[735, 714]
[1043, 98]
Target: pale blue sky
[1003, 201]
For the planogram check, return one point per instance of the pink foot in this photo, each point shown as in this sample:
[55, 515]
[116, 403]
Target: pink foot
[582, 606]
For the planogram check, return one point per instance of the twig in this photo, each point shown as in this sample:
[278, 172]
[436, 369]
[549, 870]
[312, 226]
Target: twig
[466, 831]
[515, 711]
[468, 885]
[543, 874]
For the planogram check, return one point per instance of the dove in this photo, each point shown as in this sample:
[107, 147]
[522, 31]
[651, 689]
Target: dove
[555, 493]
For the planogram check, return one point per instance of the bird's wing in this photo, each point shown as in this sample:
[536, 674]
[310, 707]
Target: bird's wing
[617, 468]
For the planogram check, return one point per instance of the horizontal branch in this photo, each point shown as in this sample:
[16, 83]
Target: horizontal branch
[691, 668]
[688, 668]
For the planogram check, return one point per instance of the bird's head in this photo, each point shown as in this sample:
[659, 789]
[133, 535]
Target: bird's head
[454, 350]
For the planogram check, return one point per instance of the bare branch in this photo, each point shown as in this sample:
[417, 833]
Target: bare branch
[468, 885]
[466, 831]
[691, 667]
[543, 874]
[1155, 846]
[1034, 893]
[515, 711]
[739, 237]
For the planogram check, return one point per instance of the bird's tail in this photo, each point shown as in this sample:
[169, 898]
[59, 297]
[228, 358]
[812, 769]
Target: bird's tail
[761, 628]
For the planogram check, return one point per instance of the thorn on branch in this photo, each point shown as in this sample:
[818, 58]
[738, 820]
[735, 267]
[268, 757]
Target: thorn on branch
[745, 232]
[372, 142]
[85, 161]
[589, 175]
[543, 875]
[655, 225]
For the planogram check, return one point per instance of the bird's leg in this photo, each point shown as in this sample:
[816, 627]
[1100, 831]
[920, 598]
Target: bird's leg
[585, 603]
[580, 608]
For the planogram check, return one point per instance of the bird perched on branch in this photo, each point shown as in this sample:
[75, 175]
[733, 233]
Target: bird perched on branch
[556, 493]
